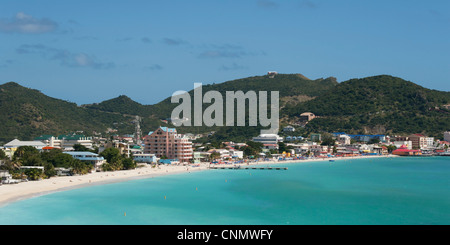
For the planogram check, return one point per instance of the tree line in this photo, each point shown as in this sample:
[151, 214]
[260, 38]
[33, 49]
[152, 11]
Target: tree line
[55, 158]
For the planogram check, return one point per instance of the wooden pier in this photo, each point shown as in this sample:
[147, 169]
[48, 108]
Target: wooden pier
[248, 168]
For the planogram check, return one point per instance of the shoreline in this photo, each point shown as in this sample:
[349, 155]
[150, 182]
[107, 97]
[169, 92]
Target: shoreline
[10, 193]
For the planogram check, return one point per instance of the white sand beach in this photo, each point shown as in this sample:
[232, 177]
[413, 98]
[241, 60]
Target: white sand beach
[14, 192]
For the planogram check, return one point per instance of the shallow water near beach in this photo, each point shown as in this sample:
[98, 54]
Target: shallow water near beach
[401, 190]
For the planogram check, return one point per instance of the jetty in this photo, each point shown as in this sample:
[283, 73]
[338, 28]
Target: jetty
[247, 168]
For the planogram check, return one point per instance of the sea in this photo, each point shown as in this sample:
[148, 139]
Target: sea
[373, 191]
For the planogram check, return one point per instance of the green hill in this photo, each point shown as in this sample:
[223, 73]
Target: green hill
[291, 87]
[121, 105]
[379, 104]
[26, 113]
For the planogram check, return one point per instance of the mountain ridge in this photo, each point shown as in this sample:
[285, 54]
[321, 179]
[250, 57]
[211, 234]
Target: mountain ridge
[350, 105]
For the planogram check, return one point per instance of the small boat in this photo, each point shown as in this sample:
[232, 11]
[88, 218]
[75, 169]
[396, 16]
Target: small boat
[331, 160]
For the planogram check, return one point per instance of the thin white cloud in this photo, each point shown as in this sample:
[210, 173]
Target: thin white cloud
[65, 57]
[23, 23]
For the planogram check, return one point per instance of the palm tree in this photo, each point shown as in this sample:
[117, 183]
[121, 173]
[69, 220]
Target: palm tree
[10, 165]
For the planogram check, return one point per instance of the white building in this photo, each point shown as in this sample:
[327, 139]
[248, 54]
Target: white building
[407, 143]
[66, 142]
[11, 147]
[224, 153]
[145, 158]
[269, 141]
[268, 138]
[6, 178]
[430, 142]
[236, 153]
[344, 139]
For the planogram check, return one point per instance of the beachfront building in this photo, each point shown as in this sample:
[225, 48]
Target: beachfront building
[89, 157]
[300, 149]
[201, 156]
[65, 142]
[407, 144]
[224, 153]
[236, 154]
[145, 158]
[6, 178]
[269, 141]
[166, 142]
[419, 141]
[404, 151]
[318, 150]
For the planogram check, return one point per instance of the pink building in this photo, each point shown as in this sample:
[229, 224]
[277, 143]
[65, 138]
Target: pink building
[166, 142]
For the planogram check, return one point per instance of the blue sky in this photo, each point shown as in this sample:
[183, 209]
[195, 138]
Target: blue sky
[90, 51]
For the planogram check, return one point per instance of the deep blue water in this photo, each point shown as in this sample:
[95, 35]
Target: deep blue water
[402, 190]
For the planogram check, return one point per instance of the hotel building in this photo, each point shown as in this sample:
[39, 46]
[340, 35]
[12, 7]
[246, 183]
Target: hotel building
[165, 142]
[419, 141]
[65, 142]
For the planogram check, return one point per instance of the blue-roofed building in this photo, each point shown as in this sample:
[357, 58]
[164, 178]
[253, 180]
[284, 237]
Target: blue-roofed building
[169, 130]
[86, 156]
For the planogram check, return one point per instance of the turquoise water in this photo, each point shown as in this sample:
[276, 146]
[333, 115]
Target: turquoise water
[361, 191]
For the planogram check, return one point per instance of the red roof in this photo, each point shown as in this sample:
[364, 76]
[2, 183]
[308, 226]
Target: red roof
[47, 148]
